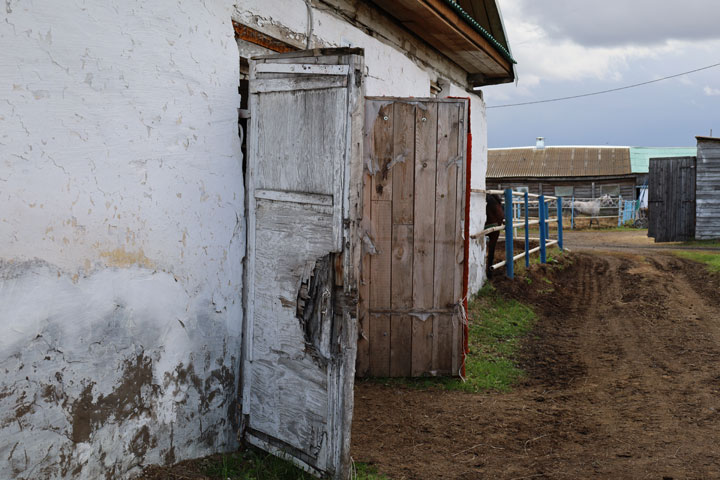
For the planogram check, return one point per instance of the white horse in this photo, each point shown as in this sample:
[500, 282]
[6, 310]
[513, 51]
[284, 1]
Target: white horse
[592, 207]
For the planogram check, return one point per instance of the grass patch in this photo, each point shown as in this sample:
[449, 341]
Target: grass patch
[712, 260]
[702, 243]
[497, 326]
[254, 464]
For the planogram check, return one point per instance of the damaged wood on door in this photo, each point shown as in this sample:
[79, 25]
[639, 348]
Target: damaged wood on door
[412, 285]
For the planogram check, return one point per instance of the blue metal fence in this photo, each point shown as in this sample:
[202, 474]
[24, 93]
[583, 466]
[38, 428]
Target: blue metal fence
[514, 210]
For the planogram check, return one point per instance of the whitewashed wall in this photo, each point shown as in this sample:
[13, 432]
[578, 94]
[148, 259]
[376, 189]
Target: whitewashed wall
[121, 235]
[390, 72]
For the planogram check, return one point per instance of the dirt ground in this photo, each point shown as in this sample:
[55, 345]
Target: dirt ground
[622, 381]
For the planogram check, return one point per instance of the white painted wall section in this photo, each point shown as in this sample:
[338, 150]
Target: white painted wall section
[122, 235]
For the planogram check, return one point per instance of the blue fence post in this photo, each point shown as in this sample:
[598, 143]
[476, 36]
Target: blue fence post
[527, 232]
[560, 223]
[619, 211]
[543, 226]
[509, 266]
[547, 224]
[572, 214]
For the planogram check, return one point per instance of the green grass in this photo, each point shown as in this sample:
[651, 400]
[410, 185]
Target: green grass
[712, 260]
[702, 243]
[497, 326]
[254, 464]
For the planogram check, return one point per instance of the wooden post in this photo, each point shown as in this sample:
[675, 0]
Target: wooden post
[572, 213]
[560, 223]
[527, 232]
[543, 226]
[620, 201]
[509, 264]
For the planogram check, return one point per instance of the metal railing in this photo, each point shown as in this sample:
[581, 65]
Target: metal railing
[543, 221]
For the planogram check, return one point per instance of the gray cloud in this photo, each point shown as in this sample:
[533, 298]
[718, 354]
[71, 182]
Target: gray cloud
[611, 23]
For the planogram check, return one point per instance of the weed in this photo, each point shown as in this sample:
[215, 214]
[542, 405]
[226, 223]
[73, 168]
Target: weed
[253, 464]
[712, 260]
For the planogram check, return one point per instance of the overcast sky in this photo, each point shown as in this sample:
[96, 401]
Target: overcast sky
[570, 47]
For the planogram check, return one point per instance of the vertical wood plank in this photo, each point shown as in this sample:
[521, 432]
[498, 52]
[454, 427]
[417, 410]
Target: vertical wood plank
[379, 345]
[380, 287]
[400, 346]
[401, 298]
[445, 228]
[422, 329]
[402, 263]
[403, 171]
[362, 364]
[444, 335]
[383, 150]
[424, 236]
[457, 328]
[424, 231]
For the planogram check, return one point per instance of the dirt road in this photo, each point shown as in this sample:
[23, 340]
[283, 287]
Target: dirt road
[623, 382]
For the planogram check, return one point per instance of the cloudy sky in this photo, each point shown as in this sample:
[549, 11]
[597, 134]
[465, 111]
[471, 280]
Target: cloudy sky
[571, 47]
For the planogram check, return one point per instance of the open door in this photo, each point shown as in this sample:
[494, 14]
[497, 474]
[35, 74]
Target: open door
[303, 186]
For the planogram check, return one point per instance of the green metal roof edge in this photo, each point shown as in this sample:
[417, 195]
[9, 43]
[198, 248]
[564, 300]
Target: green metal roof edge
[479, 28]
[640, 156]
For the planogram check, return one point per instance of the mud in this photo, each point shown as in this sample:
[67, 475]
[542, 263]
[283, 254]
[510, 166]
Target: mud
[622, 383]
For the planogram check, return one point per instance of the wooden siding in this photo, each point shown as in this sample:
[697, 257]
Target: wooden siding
[671, 201]
[708, 189]
[412, 279]
[582, 187]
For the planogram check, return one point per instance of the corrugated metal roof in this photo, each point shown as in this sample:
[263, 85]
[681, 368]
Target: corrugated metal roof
[640, 156]
[558, 162]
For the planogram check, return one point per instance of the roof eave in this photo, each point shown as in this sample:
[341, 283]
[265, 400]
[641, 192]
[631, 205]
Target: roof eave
[442, 25]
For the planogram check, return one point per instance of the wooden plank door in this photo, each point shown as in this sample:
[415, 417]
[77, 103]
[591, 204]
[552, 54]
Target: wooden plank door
[412, 286]
[671, 200]
[301, 315]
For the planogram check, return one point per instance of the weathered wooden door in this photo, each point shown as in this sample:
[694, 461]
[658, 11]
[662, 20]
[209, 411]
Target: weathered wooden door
[301, 314]
[671, 199]
[413, 278]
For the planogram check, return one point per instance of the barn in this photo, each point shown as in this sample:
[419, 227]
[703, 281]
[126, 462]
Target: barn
[183, 266]
[566, 171]
[579, 171]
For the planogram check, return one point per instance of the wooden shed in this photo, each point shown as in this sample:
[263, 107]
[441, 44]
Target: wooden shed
[572, 171]
[671, 187]
[707, 193]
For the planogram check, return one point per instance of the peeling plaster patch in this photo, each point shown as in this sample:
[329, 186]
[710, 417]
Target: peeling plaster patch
[122, 258]
[125, 402]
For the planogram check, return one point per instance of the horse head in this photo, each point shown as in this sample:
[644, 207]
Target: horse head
[606, 200]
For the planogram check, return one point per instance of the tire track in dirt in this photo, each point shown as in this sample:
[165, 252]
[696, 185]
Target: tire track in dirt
[622, 383]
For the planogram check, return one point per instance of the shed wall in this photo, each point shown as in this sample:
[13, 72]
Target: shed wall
[582, 188]
[122, 236]
[707, 202]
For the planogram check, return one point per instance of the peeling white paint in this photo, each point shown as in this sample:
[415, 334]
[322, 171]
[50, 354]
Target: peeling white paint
[122, 234]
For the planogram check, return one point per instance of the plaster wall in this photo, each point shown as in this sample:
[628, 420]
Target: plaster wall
[397, 65]
[121, 235]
